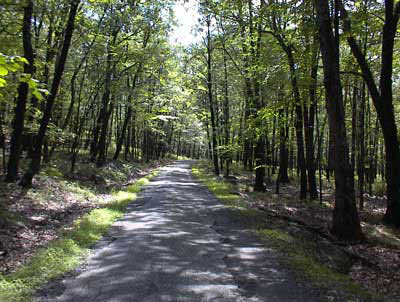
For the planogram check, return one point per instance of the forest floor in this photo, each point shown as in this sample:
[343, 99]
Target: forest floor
[30, 219]
[373, 264]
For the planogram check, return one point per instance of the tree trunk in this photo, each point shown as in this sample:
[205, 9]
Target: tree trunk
[283, 176]
[210, 99]
[309, 117]
[23, 90]
[34, 166]
[361, 146]
[383, 101]
[128, 115]
[345, 223]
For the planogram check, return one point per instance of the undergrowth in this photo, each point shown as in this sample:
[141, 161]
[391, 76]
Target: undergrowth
[298, 251]
[73, 245]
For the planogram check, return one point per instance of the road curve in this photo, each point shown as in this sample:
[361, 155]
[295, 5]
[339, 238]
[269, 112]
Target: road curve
[177, 243]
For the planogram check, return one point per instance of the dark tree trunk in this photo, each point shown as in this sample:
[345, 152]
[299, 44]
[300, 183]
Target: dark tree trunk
[34, 166]
[283, 176]
[383, 102]
[105, 112]
[298, 125]
[228, 152]
[309, 117]
[345, 223]
[3, 143]
[361, 146]
[301, 161]
[128, 115]
[23, 90]
[210, 99]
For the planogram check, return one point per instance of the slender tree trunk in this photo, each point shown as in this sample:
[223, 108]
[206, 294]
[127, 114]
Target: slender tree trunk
[128, 115]
[283, 176]
[34, 166]
[105, 114]
[299, 127]
[382, 98]
[23, 90]
[309, 117]
[3, 143]
[228, 152]
[210, 99]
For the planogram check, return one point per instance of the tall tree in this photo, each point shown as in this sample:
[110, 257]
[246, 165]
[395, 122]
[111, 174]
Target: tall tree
[345, 223]
[34, 166]
[382, 97]
[23, 91]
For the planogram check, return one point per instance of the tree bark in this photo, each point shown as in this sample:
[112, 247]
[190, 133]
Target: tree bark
[345, 223]
[210, 98]
[23, 90]
[382, 98]
[34, 166]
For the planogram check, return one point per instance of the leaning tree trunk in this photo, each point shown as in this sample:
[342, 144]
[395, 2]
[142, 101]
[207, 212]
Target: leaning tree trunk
[34, 166]
[346, 223]
[383, 101]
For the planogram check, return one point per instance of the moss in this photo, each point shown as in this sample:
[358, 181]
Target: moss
[53, 172]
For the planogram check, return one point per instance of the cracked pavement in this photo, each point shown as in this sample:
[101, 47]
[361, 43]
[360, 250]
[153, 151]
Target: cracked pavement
[178, 243]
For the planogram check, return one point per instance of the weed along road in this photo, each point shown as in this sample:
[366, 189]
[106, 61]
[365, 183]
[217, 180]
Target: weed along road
[178, 243]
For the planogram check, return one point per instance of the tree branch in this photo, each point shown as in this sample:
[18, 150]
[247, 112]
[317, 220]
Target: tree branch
[358, 54]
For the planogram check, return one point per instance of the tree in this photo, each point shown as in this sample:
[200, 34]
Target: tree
[23, 91]
[34, 166]
[382, 97]
[345, 223]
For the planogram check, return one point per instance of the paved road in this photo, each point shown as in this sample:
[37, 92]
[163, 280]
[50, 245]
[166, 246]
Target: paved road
[177, 243]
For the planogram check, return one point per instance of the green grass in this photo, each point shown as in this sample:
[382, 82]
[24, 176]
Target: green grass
[299, 253]
[221, 189]
[300, 257]
[67, 252]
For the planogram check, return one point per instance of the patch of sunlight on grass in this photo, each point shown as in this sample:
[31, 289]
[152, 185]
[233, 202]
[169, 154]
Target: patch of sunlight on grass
[301, 259]
[67, 252]
[137, 186]
[299, 252]
[381, 234]
[53, 172]
[221, 189]
[82, 192]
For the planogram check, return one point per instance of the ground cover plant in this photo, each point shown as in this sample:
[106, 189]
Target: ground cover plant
[49, 231]
[299, 231]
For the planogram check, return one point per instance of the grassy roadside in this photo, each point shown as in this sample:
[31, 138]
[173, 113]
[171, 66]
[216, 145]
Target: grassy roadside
[71, 247]
[300, 253]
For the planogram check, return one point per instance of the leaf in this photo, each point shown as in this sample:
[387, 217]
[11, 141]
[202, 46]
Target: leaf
[37, 94]
[33, 84]
[3, 71]
[2, 82]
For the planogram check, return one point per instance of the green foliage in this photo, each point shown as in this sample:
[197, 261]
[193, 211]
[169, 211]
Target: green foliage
[53, 172]
[222, 190]
[301, 259]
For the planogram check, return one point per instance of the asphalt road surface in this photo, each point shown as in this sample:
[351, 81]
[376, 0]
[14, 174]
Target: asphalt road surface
[177, 243]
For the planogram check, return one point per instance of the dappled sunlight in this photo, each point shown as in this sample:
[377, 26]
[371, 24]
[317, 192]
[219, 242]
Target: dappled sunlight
[177, 243]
